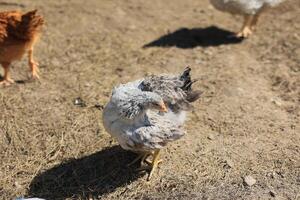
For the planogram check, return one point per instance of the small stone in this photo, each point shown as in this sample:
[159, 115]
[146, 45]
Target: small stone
[272, 193]
[211, 136]
[79, 102]
[271, 174]
[87, 85]
[276, 101]
[229, 163]
[249, 180]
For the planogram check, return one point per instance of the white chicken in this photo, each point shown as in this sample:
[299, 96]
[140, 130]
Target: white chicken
[250, 9]
[131, 116]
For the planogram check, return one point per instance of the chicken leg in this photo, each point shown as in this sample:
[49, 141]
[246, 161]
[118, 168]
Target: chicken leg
[6, 78]
[256, 17]
[151, 165]
[154, 164]
[141, 156]
[246, 30]
[33, 65]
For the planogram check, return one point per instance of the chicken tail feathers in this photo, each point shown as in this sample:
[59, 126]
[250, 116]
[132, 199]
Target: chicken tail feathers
[186, 78]
[187, 85]
[193, 95]
[30, 25]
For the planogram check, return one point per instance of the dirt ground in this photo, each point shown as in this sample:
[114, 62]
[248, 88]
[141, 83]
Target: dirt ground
[246, 123]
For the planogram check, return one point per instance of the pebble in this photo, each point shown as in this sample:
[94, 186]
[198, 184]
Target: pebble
[271, 174]
[249, 180]
[229, 163]
[276, 101]
[272, 193]
[87, 85]
[79, 102]
[211, 136]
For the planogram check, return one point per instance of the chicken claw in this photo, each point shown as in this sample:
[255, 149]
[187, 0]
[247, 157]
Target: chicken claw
[152, 165]
[244, 33]
[142, 157]
[34, 69]
[246, 28]
[7, 82]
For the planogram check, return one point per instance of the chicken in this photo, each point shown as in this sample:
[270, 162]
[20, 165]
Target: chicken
[145, 115]
[18, 34]
[250, 9]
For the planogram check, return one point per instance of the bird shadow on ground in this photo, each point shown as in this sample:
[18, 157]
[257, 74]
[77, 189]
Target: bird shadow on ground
[190, 38]
[22, 81]
[5, 3]
[16, 81]
[90, 176]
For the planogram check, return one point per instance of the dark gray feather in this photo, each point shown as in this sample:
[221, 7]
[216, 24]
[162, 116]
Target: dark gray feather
[176, 91]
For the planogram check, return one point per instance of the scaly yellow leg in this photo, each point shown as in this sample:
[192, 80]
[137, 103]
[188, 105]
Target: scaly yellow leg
[154, 163]
[151, 165]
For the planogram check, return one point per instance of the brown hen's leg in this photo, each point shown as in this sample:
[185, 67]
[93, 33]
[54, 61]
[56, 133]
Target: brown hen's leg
[33, 65]
[246, 28]
[6, 78]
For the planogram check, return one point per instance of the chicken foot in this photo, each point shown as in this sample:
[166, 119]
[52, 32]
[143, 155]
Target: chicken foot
[33, 65]
[6, 78]
[153, 164]
[246, 29]
[142, 157]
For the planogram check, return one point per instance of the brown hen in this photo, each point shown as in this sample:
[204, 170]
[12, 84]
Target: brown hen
[18, 34]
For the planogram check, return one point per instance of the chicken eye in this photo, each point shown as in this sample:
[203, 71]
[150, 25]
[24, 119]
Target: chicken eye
[156, 104]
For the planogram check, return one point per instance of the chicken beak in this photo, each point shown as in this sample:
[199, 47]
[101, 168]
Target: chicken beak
[163, 107]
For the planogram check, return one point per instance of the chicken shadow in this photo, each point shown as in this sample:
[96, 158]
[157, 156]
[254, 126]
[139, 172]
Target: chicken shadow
[190, 38]
[90, 176]
[16, 81]
[5, 3]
